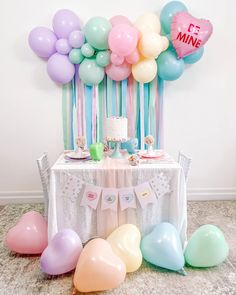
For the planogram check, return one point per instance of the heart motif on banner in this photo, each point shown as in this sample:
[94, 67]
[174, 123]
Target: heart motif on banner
[162, 247]
[125, 242]
[62, 253]
[98, 268]
[91, 196]
[188, 33]
[29, 235]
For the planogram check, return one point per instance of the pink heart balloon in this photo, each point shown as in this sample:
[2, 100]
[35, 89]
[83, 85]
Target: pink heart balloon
[29, 235]
[62, 253]
[188, 33]
[98, 268]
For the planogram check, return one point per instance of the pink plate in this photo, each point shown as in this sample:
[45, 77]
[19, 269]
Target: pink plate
[78, 156]
[154, 155]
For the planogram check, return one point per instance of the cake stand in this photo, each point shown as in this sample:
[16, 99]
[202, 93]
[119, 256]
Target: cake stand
[116, 154]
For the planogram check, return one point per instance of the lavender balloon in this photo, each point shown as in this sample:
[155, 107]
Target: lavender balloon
[64, 22]
[42, 41]
[63, 46]
[62, 253]
[76, 39]
[60, 69]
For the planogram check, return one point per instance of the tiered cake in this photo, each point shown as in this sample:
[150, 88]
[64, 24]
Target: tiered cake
[116, 129]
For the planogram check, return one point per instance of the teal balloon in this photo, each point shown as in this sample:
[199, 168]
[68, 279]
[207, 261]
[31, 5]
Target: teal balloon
[207, 247]
[194, 57]
[90, 73]
[162, 247]
[96, 32]
[103, 58]
[169, 66]
[87, 50]
[167, 13]
[76, 56]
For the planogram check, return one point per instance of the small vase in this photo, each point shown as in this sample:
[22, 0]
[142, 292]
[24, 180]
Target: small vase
[150, 150]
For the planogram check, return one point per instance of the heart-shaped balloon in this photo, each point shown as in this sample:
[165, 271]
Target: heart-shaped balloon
[29, 235]
[62, 253]
[98, 268]
[189, 33]
[162, 247]
[206, 247]
[125, 242]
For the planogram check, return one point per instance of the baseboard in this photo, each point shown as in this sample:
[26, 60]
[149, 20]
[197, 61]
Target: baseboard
[211, 194]
[194, 194]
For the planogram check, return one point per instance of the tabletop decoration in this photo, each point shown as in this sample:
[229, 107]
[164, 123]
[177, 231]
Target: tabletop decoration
[162, 247]
[149, 141]
[62, 253]
[96, 151]
[98, 268]
[125, 243]
[207, 247]
[29, 235]
[81, 143]
[130, 145]
[134, 160]
[118, 68]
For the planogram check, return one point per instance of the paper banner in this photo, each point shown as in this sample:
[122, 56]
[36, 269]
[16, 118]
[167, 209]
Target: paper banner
[109, 199]
[160, 185]
[145, 194]
[91, 196]
[127, 198]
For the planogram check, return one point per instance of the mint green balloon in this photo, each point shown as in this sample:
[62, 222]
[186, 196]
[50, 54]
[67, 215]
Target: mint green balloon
[76, 56]
[103, 58]
[87, 50]
[96, 32]
[207, 247]
[90, 73]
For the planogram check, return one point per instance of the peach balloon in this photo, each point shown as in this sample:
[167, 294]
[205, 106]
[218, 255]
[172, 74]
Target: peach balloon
[148, 22]
[150, 45]
[145, 70]
[98, 268]
[125, 242]
[29, 235]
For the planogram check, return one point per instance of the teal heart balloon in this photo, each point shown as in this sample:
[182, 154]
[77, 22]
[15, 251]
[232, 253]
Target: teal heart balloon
[162, 247]
[207, 247]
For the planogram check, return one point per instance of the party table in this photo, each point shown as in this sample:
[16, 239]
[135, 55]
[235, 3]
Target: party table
[94, 198]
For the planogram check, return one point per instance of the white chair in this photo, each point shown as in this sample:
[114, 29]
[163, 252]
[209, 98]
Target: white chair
[185, 163]
[44, 171]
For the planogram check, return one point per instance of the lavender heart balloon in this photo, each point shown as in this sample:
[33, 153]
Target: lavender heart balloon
[62, 253]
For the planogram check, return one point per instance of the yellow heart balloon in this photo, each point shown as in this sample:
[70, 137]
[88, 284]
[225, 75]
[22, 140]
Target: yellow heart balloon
[125, 243]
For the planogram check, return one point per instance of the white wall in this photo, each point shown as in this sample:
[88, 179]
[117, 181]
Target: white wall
[199, 107]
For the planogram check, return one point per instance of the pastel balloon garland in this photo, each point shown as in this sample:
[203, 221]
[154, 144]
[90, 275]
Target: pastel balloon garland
[118, 48]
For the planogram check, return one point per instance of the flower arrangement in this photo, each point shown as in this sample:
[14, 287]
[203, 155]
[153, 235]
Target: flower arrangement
[134, 160]
[81, 143]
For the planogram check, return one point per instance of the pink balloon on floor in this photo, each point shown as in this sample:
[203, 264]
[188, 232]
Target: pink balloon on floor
[118, 73]
[29, 235]
[119, 19]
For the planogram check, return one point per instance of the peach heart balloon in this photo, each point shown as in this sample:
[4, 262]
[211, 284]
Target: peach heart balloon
[98, 268]
[29, 235]
[125, 242]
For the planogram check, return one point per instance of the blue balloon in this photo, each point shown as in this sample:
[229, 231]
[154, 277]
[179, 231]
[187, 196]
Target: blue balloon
[162, 247]
[167, 13]
[194, 57]
[169, 66]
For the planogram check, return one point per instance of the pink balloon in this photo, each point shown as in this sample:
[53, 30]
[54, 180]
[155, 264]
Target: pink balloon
[118, 73]
[62, 253]
[133, 58]
[60, 69]
[29, 235]
[123, 39]
[116, 59]
[119, 19]
[188, 33]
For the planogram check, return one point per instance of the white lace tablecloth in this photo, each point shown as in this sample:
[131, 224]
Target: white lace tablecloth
[67, 187]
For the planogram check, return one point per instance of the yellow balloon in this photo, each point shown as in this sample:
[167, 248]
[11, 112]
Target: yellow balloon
[151, 45]
[148, 22]
[145, 70]
[125, 243]
[165, 43]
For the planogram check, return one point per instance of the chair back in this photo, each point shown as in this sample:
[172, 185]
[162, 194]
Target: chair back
[185, 163]
[44, 172]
